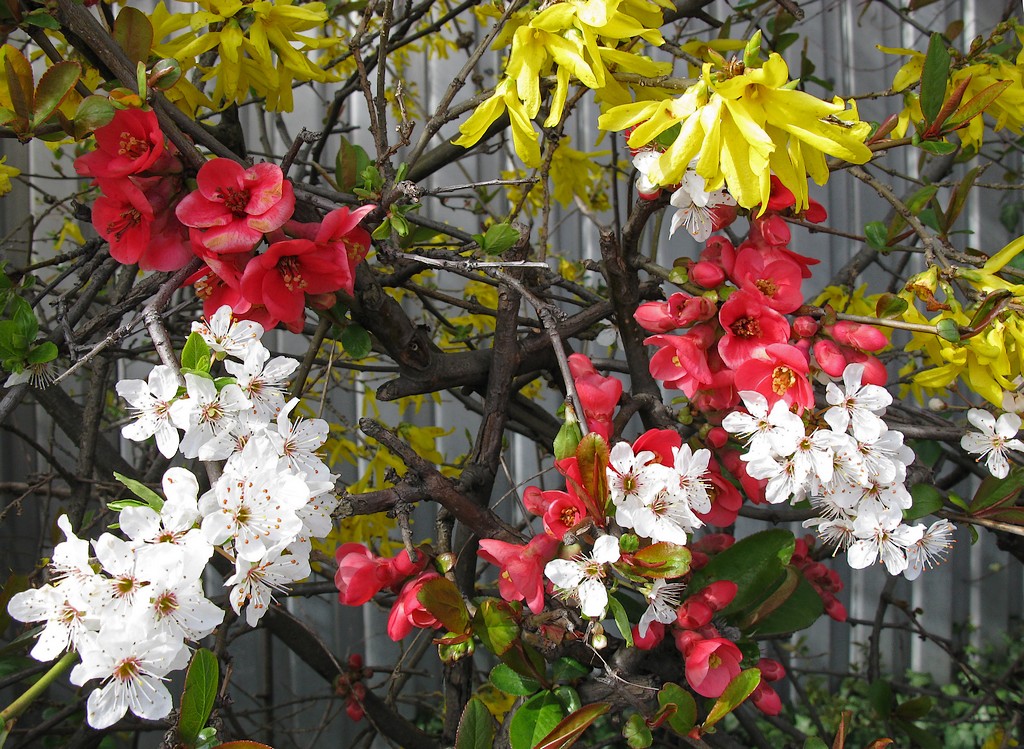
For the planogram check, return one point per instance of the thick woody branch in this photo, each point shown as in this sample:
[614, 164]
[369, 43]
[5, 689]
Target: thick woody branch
[441, 489]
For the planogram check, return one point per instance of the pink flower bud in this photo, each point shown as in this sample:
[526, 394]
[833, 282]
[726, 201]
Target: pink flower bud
[717, 437]
[719, 594]
[859, 336]
[694, 614]
[685, 640]
[771, 670]
[766, 699]
[830, 358]
[655, 634]
[707, 275]
[655, 317]
[805, 326]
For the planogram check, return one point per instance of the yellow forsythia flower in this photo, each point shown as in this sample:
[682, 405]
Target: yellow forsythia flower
[743, 124]
[6, 172]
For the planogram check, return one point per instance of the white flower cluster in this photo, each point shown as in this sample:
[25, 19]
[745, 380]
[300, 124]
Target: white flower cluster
[995, 436]
[655, 500]
[854, 472]
[129, 613]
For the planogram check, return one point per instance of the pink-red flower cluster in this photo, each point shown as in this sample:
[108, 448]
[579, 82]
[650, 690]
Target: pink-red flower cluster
[748, 342]
[148, 217]
[140, 181]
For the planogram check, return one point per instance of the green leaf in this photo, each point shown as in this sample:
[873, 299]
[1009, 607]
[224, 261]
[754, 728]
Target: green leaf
[1009, 215]
[934, 77]
[349, 165]
[636, 733]
[937, 147]
[774, 600]
[927, 500]
[948, 330]
[196, 354]
[383, 231]
[165, 73]
[977, 104]
[534, 720]
[526, 660]
[25, 319]
[662, 559]
[921, 737]
[141, 491]
[569, 698]
[565, 734]
[442, 599]
[621, 620]
[133, 32]
[476, 728]
[993, 492]
[738, 690]
[755, 564]
[683, 715]
[813, 742]
[44, 352]
[799, 611]
[56, 83]
[880, 698]
[511, 682]
[356, 341]
[592, 459]
[877, 234]
[919, 199]
[42, 19]
[495, 625]
[914, 708]
[497, 238]
[568, 669]
[20, 83]
[197, 700]
[890, 306]
[94, 112]
[243, 745]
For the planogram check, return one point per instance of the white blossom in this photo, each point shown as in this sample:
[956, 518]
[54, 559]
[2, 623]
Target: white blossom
[859, 406]
[255, 580]
[995, 437]
[930, 549]
[132, 662]
[583, 576]
[227, 337]
[208, 416]
[152, 401]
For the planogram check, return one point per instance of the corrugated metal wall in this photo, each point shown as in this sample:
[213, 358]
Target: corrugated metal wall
[979, 588]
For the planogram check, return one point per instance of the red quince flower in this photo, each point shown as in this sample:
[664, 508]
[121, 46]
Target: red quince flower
[123, 216]
[234, 207]
[599, 395]
[751, 326]
[782, 375]
[341, 231]
[681, 362]
[522, 567]
[129, 144]
[408, 612]
[356, 578]
[711, 664]
[280, 278]
[779, 279]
